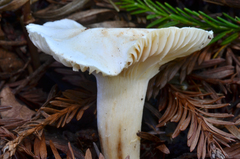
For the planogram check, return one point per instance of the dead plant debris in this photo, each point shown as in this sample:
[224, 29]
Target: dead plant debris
[48, 111]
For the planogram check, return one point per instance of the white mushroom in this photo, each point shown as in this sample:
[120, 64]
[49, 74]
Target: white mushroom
[123, 61]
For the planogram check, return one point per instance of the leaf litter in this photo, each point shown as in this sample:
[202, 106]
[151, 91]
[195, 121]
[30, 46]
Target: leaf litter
[199, 94]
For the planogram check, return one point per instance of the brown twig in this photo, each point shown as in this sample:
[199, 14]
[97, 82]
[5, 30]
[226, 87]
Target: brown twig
[13, 43]
[68, 8]
[32, 48]
[27, 13]
[233, 56]
[41, 69]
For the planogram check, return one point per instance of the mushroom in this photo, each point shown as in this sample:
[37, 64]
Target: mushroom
[123, 60]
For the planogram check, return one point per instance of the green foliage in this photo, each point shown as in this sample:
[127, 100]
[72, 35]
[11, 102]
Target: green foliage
[164, 15]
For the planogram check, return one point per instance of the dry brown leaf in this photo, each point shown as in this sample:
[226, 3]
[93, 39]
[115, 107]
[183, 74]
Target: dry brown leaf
[5, 107]
[81, 111]
[101, 156]
[218, 73]
[163, 148]
[88, 154]
[185, 124]
[193, 125]
[218, 131]
[234, 130]
[66, 117]
[73, 113]
[43, 148]
[178, 115]
[60, 103]
[169, 114]
[207, 101]
[18, 110]
[209, 63]
[177, 130]
[221, 141]
[208, 56]
[217, 151]
[54, 150]
[215, 115]
[191, 139]
[200, 145]
[14, 125]
[161, 79]
[192, 63]
[71, 151]
[60, 121]
[219, 122]
[36, 147]
[204, 150]
[196, 137]
[168, 110]
[203, 54]
[8, 121]
[207, 106]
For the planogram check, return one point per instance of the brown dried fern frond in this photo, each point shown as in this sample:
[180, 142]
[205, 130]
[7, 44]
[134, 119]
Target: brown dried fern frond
[190, 110]
[183, 66]
[219, 67]
[56, 112]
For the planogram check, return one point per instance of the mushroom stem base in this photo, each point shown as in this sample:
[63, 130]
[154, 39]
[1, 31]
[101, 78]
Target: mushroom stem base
[120, 103]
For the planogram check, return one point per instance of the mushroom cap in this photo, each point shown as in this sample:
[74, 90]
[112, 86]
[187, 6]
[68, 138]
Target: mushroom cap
[110, 50]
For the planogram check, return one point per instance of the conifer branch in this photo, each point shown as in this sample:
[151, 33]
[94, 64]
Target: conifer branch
[165, 15]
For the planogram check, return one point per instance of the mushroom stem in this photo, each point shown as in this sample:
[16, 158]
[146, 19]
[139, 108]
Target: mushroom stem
[120, 103]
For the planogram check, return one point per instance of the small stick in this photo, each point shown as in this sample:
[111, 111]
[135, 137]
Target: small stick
[13, 43]
[40, 69]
